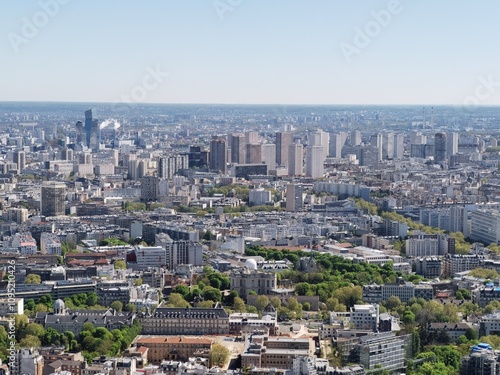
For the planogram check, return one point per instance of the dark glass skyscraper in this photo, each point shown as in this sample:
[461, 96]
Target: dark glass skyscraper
[218, 154]
[92, 138]
[440, 147]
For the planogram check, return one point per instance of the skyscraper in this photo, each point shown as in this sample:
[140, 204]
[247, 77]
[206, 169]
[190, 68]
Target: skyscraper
[376, 140]
[218, 154]
[238, 150]
[150, 188]
[320, 138]
[452, 147]
[20, 160]
[295, 159]
[314, 161]
[269, 155]
[251, 137]
[92, 133]
[294, 199]
[170, 165]
[337, 141]
[388, 146]
[53, 194]
[355, 138]
[440, 147]
[283, 141]
[399, 146]
[254, 153]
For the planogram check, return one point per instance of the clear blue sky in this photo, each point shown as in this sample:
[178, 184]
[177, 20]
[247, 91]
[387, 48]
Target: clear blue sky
[261, 51]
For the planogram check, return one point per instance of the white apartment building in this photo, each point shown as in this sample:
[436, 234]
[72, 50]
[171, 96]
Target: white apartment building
[50, 244]
[365, 317]
[485, 226]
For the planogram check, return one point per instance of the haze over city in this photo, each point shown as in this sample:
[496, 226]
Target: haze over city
[249, 187]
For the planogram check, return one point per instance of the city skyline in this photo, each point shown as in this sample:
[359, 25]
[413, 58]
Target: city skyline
[240, 52]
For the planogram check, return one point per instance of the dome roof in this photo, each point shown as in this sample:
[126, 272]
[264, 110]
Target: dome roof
[251, 264]
[59, 304]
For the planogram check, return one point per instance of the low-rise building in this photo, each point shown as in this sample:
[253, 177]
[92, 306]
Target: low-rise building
[490, 324]
[174, 348]
[185, 321]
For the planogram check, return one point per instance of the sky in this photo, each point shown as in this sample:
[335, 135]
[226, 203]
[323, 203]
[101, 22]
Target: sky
[251, 51]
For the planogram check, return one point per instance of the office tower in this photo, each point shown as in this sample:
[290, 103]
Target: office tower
[168, 166]
[67, 154]
[150, 188]
[376, 140]
[452, 146]
[399, 146]
[283, 141]
[180, 252]
[295, 159]
[20, 160]
[485, 226]
[388, 146]
[369, 156]
[198, 158]
[238, 149]
[458, 220]
[218, 154]
[80, 132]
[53, 195]
[337, 141]
[132, 169]
[440, 147]
[314, 161]
[251, 137]
[320, 138]
[269, 155]
[418, 138]
[355, 138]
[294, 198]
[254, 153]
[92, 132]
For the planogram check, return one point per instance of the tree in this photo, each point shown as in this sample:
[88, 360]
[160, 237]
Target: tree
[177, 300]
[333, 304]
[471, 334]
[212, 294]
[302, 288]
[33, 279]
[393, 302]
[116, 305]
[293, 305]
[30, 342]
[138, 282]
[219, 355]
[408, 317]
[276, 302]
[120, 264]
[130, 307]
[183, 290]
[91, 299]
[448, 355]
[239, 305]
[29, 304]
[261, 302]
[484, 273]
[34, 329]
